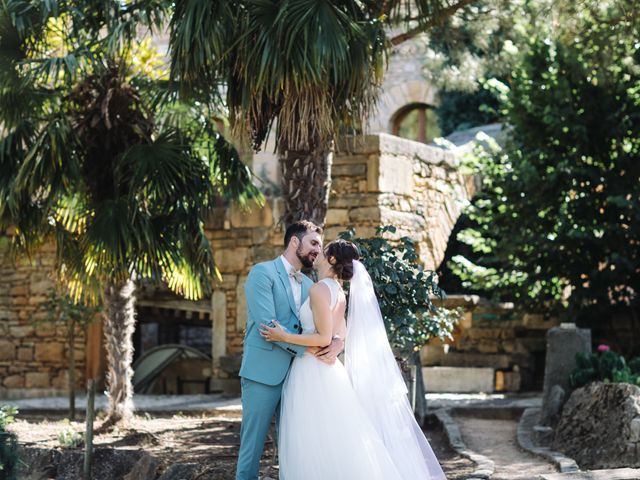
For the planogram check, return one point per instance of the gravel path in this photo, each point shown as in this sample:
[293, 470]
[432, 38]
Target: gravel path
[495, 438]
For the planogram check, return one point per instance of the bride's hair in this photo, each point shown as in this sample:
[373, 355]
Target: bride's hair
[343, 253]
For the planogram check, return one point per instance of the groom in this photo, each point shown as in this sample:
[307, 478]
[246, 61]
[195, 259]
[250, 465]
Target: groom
[275, 290]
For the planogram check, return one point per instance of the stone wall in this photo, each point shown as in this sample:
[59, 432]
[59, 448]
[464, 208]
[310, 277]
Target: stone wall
[376, 180]
[495, 336]
[32, 354]
[387, 180]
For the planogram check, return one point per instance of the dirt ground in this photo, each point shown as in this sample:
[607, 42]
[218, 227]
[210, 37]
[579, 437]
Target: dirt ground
[209, 441]
[495, 438]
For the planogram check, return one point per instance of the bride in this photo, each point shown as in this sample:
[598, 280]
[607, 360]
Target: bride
[350, 421]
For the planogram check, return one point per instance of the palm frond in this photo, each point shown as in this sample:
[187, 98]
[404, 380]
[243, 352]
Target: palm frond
[165, 171]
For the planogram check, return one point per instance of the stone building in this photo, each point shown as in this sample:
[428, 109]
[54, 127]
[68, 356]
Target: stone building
[377, 180]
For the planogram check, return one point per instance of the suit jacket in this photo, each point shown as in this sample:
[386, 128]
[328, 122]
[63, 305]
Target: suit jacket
[269, 296]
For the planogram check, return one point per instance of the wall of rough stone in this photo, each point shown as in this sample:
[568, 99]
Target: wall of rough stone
[32, 354]
[387, 180]
[376, 180]
[496, 336]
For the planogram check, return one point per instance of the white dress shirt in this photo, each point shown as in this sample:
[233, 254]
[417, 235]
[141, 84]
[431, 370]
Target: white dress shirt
[296, 287]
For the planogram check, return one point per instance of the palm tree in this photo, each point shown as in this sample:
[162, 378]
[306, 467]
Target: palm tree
[98, 157]
[309, 66]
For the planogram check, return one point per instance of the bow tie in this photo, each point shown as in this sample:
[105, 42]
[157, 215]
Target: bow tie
[297, 275]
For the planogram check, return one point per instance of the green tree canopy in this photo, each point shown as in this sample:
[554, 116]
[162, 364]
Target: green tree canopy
[100, 158]
[309, 66]
[558, 218]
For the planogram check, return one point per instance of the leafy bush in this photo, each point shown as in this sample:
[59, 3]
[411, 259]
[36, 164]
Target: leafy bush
[69, 438]
[404, 288]
[604, 366]
[557, 219]
[8, 444]
[460, 110]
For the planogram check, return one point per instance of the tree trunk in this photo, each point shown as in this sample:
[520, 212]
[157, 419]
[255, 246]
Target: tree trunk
[71, 336]
[420, 411]
[306, 179]
[119, 315]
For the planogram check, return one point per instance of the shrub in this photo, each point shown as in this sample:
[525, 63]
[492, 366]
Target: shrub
[9, 457]
[404, 288]
[604, 366]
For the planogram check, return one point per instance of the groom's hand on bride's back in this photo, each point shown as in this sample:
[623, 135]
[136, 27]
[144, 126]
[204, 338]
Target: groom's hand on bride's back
[329, 353]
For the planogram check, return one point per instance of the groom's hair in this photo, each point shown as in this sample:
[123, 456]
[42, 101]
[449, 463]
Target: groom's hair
[300, 229]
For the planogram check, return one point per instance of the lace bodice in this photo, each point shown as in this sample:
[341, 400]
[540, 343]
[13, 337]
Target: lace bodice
[306, 315]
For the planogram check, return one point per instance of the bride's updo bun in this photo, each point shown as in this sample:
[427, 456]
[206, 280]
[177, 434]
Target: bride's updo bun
[341, 254]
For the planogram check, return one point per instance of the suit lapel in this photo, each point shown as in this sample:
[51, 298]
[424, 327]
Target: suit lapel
[284, 278]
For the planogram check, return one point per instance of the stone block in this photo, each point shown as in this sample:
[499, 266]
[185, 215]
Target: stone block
[474, 359]
[14, 381]
[25, 354]
[396, 174]
[254, 217]
[538, 321]
[634, 430]
[365, 214]
[20, 331]
[264, 252]
[260, 235]
[46, 330]
[241, 304]
[62, 379]
[563, 343]
[353, 200]
[41, 287]
[348, 159]
[7, 350]
[219, 327]
[488, 346]
[508, 381]
[19, 291]
[216, 218]
[49, 352]
[458, 379]
[37, 380]
[232, 259]
[351, 170]
[337, 216]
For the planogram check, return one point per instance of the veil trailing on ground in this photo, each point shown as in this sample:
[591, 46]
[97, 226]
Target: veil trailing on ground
[379, 384]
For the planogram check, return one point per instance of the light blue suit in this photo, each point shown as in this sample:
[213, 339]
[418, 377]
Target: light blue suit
[264, 364]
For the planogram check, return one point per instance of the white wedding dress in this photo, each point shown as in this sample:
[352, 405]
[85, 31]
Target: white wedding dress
[324, 433]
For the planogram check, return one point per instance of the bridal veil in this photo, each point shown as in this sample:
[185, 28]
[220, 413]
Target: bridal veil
[379, 384]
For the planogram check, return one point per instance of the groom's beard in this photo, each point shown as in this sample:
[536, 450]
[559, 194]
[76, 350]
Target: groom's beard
[305, 260]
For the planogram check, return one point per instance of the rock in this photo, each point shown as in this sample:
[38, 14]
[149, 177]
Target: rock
[599, 426]
[49, 352]
[37, 380]
[181, 471]
[555, 401]
[145, 468]
[563, 343]
[7, 350]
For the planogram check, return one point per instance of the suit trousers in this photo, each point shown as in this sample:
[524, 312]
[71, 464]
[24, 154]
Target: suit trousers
[260, 403]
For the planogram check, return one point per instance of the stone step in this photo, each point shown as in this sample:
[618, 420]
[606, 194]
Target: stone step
[458, 379]
[613, 474]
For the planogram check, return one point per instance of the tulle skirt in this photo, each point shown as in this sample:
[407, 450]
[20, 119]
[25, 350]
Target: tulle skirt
[324, 432]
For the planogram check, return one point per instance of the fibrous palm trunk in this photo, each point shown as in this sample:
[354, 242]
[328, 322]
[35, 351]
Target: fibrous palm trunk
[306, 179]
[71, 337]
[119, 316]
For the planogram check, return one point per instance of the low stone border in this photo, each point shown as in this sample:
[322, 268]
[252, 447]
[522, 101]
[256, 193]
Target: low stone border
[614, 474]
[484, 466]
[525, 436]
